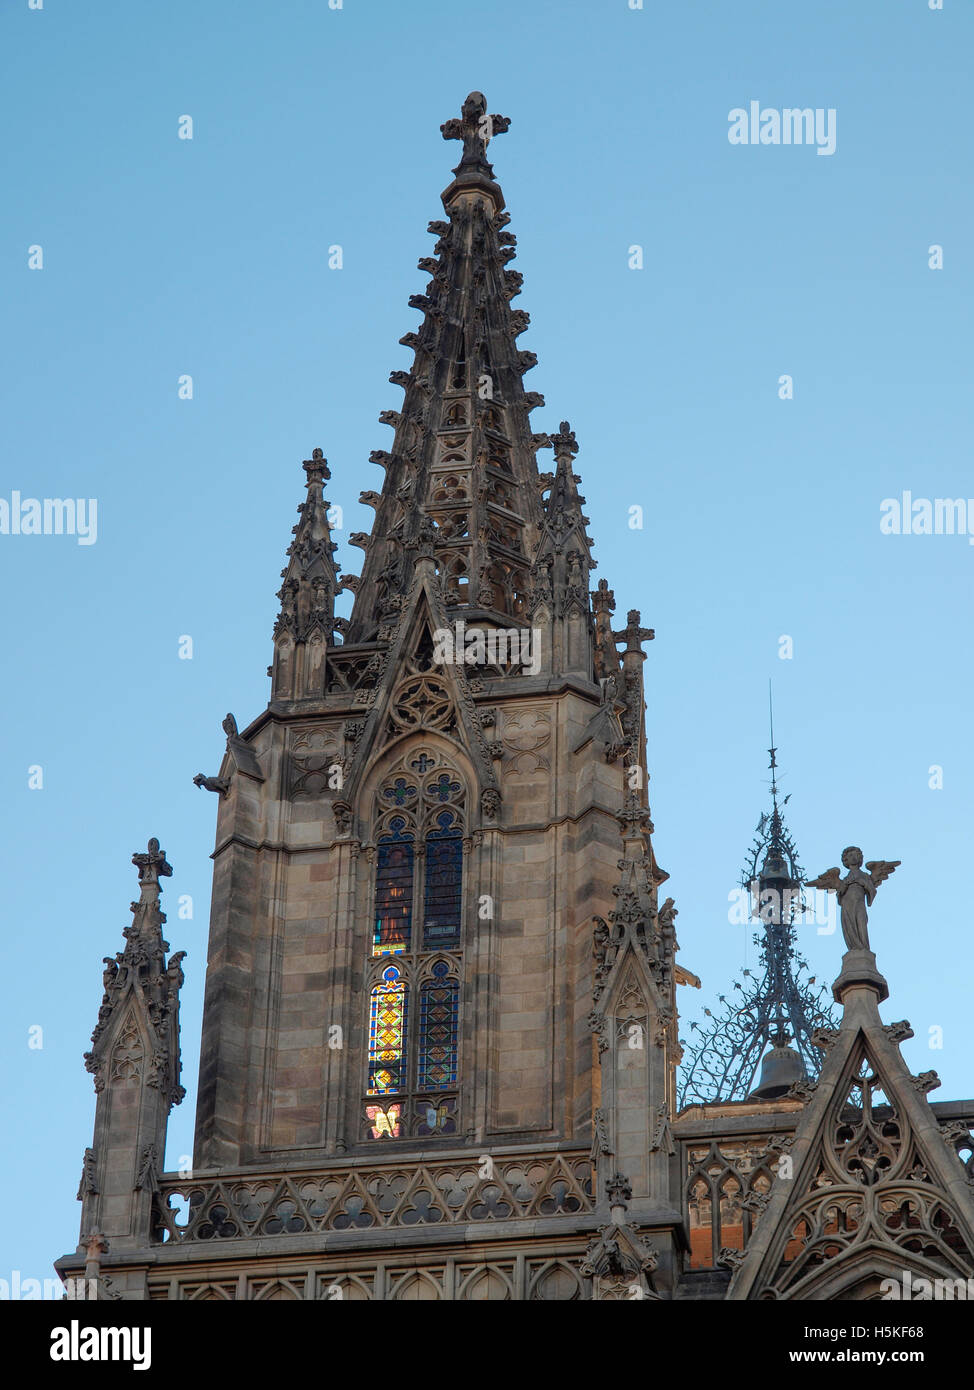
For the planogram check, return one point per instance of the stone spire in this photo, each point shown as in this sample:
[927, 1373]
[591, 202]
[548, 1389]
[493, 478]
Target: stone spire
[463, 454]
[607, 664]
[306, 623]
[633, 689]
[135, 1061]
[564, 524]
[560, 574]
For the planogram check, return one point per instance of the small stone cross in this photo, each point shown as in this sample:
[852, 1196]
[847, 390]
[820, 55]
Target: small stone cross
[475, 128]
[316, 467]
[564, 441]
[633, 634]
[152, 865]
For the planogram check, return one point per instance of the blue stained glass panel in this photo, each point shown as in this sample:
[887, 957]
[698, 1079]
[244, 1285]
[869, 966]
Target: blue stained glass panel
[444, 874]
[438, 1012]
[400, 792]
[442, 789]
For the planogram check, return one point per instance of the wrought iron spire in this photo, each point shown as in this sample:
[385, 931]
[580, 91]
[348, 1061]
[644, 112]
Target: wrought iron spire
[778, 1003]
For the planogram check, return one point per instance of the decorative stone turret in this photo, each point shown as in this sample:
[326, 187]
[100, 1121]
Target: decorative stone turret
[135, 1062]
[559, 605]
[306, 624]
[634, 1020]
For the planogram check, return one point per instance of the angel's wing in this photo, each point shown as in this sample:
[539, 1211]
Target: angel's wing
[830, 880]
[879, 870]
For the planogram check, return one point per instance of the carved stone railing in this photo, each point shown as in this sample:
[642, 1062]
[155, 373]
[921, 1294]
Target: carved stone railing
[371, 1195]
[728, 1184]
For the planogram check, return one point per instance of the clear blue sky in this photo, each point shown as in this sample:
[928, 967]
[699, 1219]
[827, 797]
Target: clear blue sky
[315, 127]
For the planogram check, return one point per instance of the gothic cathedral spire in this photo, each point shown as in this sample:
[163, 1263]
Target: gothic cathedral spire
[462, 462]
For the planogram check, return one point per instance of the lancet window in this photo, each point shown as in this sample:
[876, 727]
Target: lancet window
[415, 966]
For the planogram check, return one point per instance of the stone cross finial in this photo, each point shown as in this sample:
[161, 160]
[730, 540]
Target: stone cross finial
[316, 468]
[603, 599]
[564, 442]
[633, 634]
[855, 892]
[152, 865]
[634, 818]
[618, 1189]
[476, 129]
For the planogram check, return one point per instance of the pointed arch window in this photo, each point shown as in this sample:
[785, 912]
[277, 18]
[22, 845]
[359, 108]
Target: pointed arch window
[438, 1015]
[387, 1034]
[444, 872]
[393, 889]
[414, 980]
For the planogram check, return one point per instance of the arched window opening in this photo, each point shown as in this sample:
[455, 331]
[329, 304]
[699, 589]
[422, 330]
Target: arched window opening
[444, 872]
[393, 891]
[411, 1090]
[387, 1034]
[438, 1009]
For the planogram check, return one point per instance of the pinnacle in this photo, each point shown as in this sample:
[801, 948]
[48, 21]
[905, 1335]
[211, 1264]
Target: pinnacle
[475, 128]
[563, 510]
[463, 452]
[141, 972]
[310, 576]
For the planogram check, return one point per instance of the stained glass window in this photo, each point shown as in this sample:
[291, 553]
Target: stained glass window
[437, 1117]
[439, 1000]
[387, 1034]
[400, 793]
[444, 871]
[413, 1052]
[443, 788]
[384, 1120]
[393, 891]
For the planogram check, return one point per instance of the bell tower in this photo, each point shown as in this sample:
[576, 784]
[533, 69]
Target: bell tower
[440, 1036]
[415, 834]
[439, 1020]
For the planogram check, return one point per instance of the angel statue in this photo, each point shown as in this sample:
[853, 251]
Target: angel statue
[855, 892]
